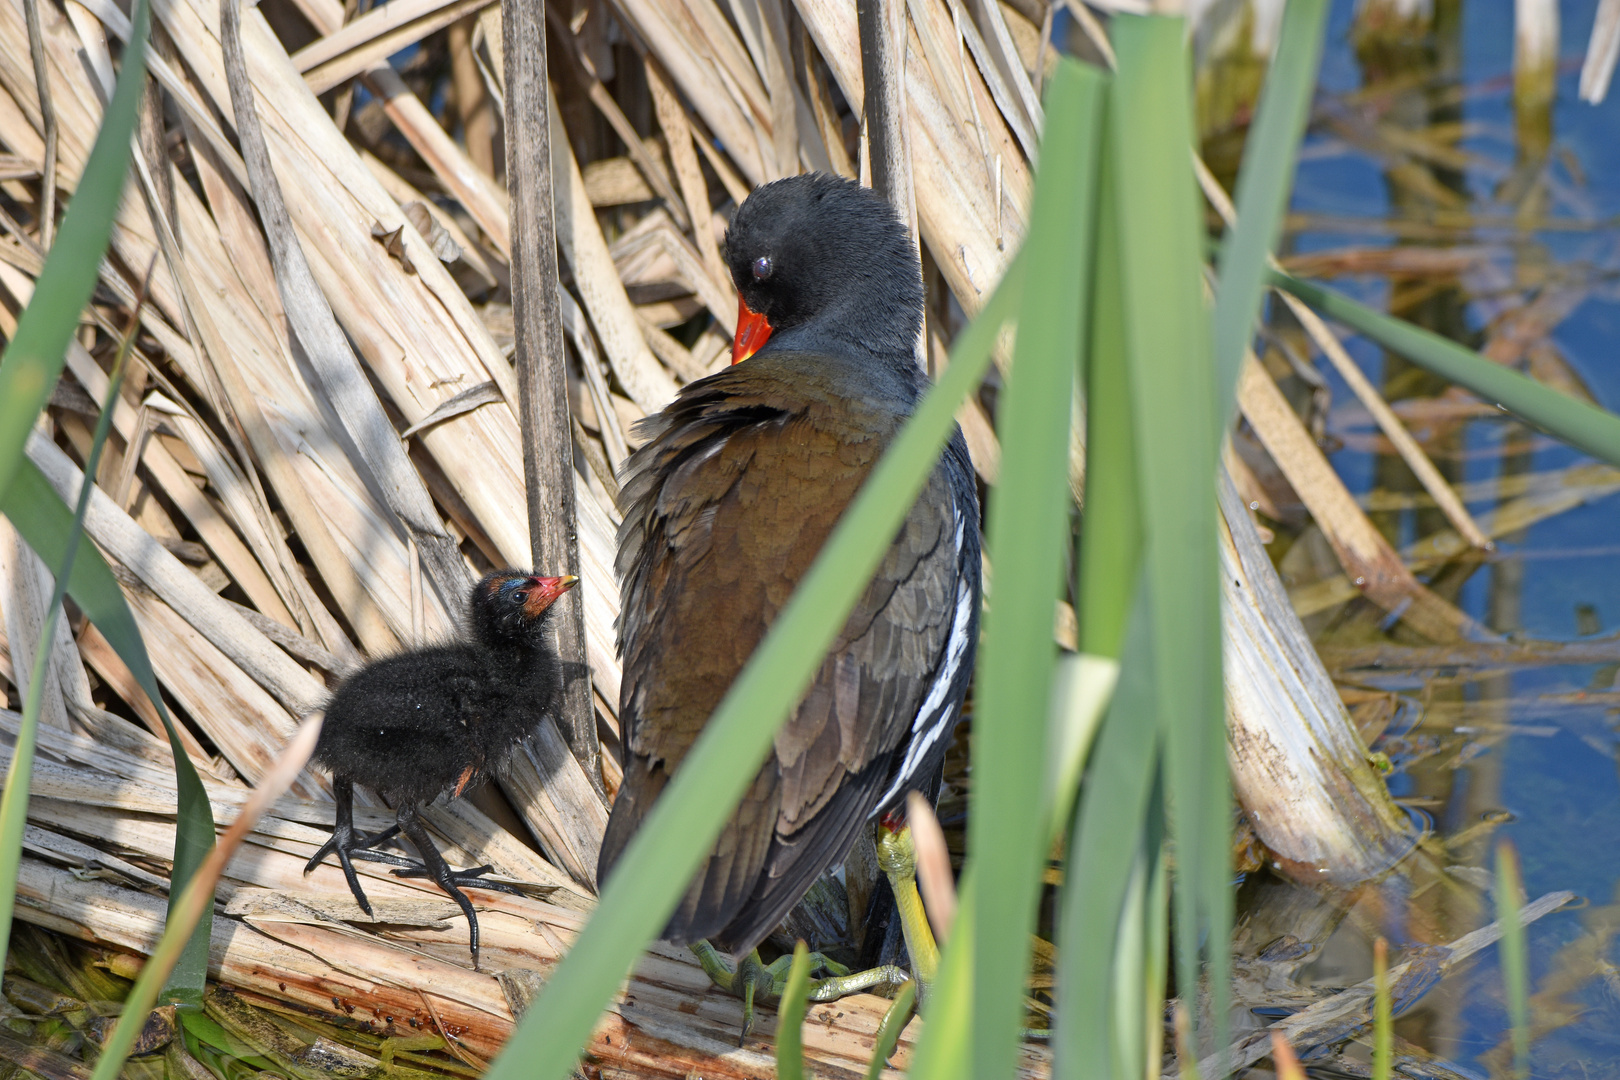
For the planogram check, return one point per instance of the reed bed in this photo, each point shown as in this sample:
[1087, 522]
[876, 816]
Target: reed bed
[262, 547]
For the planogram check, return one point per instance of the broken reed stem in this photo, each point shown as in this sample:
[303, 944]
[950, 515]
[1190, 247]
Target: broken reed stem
[548, 448]
[47, 183]
[883, 54]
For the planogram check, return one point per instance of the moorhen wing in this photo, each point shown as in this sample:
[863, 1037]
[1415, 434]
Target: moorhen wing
[726, 505]
[416, 725]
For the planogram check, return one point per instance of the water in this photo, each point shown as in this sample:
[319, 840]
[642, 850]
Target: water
[1525, 746]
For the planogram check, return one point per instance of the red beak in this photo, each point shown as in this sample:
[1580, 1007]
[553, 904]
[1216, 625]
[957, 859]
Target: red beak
[543, 592]
[752, 332]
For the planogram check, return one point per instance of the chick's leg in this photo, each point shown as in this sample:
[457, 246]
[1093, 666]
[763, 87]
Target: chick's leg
[350, 845]
[433, 866]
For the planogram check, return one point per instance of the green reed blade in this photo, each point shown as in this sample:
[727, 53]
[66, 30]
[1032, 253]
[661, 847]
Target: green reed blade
[14, 800]
[790, 1017]
[33, 360]
[1263, 184]
[1025, 537]
[1176, 415]
[945, 1050]
[29, 369]
[1108, 833]
[1514, 952]
[1383, 1014]
[888, 1033]
[1587, 427]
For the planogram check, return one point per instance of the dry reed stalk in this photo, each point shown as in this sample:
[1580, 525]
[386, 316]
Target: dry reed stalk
[25, 590]
[360, 46]
[302, 941]
[1378, 571]
[1556, 494]
[1416, 460]
[970, 232]
[1602, 50]
[1298, 768]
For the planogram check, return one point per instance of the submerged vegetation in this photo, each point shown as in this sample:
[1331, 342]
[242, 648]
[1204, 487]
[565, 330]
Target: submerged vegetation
[1153, 440]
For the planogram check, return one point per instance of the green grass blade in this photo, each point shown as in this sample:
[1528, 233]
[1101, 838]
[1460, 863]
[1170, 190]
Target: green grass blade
[1156, 950]
[1111, 525]
[1114, 802]
[888, 1032]
[186, 911]
[790, 1017]
[1176, 415]
[46, 525]
[1263, 184]
[945, 1051]
[14, 800]
[1383, 1014]
[33, 360]
[1109, 831]
[1025, 539]
[1514, 952]
[1587, 427]
[653, 872]
[1081, 689]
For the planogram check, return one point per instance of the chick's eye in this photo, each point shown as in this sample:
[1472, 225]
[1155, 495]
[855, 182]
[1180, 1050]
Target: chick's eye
[762, 268]
[519, 597]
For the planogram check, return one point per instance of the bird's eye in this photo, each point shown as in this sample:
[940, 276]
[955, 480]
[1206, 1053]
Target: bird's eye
[762, 268]
[519, 597]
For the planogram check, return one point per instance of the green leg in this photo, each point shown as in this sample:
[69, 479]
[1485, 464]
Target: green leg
[898, 859]
[752, 980]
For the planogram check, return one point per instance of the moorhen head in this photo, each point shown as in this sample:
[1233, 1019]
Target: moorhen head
[440, 719]
[727, 503]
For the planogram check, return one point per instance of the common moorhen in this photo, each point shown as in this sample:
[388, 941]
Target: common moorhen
[726, 505]
[416, 725]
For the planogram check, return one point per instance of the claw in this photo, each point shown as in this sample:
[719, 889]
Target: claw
[349, 845]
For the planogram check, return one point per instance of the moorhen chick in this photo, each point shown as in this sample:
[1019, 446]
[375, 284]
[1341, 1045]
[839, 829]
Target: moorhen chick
[726, 505]
[416, 725]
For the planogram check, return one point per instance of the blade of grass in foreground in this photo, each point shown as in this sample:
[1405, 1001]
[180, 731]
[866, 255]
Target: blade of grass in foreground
[46, 525]
[34, 358]
[1026, 536]
[14, 800]
[198, 897]
[1263, 184]
[1383, 1019]
[1514, 952]
[1106, 834]
[653, 872]
[888, 1033]
[1176, 416]
[945, 1051]
[31, 365]
[790, 1017]
[1587, 427]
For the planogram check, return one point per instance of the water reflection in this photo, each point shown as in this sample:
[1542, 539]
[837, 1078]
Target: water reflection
[1426, 190]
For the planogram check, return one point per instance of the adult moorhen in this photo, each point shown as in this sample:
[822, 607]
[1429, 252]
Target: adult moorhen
[726, 505]
[416, 725]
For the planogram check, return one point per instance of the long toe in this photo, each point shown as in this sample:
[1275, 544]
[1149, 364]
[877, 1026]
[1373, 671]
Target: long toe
[326, 849]
[354, 882]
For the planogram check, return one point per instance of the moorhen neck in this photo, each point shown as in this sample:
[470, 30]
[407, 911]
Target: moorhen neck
[440, 719]
[726, 505]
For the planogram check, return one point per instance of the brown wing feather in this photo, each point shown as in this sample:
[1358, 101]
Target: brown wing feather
[725, 508]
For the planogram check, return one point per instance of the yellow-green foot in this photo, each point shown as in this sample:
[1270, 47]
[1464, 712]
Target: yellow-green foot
[753, 980]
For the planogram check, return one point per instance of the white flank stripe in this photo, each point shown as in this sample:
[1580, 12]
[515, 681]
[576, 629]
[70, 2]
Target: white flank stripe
[928, 727]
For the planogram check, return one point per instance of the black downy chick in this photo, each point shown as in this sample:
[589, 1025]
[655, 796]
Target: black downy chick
[442, 718]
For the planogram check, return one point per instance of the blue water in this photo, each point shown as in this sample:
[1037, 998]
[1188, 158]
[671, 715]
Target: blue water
[1561, 782]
